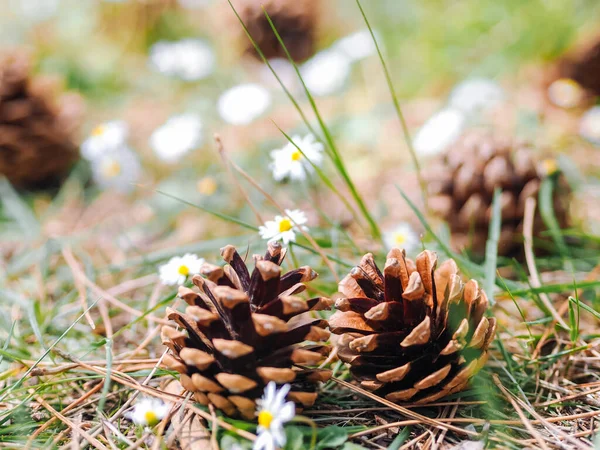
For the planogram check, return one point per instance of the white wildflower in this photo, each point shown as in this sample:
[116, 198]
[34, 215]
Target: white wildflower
[35, 10]
[118, 169]
[273, 412]
[106, 137]
[441, 130]
[327, 72]
[148, 412]
[476, 95]
[589, 125]
[358, 45]
[193, 4]
[178, 268]
[176, 137]
[188, 59]
[566, 93]
[402, 236]
[289, 162]
[241, 104]
[284, 228]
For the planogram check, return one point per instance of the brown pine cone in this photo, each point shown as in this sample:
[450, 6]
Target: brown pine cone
[245, 330]
[584, 67]
[294, 20]
[414, 333]
[461, 190]
[36, 146]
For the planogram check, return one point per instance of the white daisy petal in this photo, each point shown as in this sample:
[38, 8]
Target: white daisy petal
[178, 268]
[242, 104]
[327, 72]
[296, 159]
[106, 137]
[272, 415]
[284, 228]
[178, 136]
[119, 169]
[358, 45]
[476, 95]
[589, 125]
[187, 59]
[148, 412]
[402, 236]
[441, 130]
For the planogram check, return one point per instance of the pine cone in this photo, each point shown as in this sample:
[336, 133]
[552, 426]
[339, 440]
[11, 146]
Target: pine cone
[294, 20]
[584, 67]
[36, 148]
[414, 333]
[244, 330]
[461, 191]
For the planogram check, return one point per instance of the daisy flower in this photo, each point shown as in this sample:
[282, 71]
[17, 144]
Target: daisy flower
[358, 45]
[35, 10]
[178, 268]
[589, 125]
[241, 104]
[273, 412]
[284, 228]
[148, 412]
[106, 137]
[402, 236]
[117, 169]
[476, 95]
[327, 72]
[566, 93]
[188, 59]
[176, 137]
[289, 162]
[441, 130]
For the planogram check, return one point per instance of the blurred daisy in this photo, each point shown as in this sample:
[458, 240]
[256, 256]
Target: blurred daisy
[289, 162]
[241, 104]
[193, 4]
[106, 137]
[284, 228]
[403, 236]
[476, 95]
[148, 412]
[35, 10]
[589, 125]
[327, 72]
[178, 268]
[118, 169]
[284, 70]
[566, 93]
[273, 412]
[176, 137]
[207, 186]
[358, 45]
[441, 130]
[188, 59]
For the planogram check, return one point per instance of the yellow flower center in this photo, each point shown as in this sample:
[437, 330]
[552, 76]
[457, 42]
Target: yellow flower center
[550, 166]
[183, 270]
[151, 418]
[265, 418]
[111, 169]
[566, 93]
[207, 186]
[296, 155]
[285, 225]
[99, 130]
[399, 238]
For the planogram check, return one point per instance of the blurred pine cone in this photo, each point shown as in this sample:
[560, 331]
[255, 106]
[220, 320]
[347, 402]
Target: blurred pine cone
[294, 20]
[414, 333]
[461, 190]
[584, 67]
[245, 330]
[36, 146]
